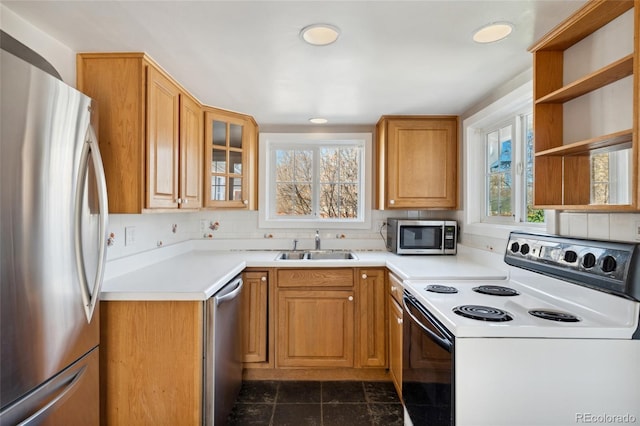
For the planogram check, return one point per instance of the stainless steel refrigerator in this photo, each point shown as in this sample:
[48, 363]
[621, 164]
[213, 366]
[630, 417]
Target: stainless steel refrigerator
[53, 226]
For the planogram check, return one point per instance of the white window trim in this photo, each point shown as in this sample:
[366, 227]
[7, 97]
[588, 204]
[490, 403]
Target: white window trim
[265, 219]
[474, 147]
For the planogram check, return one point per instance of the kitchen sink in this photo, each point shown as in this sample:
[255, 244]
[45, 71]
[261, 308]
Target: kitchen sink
[316, 255]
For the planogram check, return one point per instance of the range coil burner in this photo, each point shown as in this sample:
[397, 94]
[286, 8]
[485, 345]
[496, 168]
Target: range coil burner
[482, 313]
[496, 290]
[437, 288]
[554, 315]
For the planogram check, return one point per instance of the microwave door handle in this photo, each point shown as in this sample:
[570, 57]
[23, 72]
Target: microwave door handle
[442, 342]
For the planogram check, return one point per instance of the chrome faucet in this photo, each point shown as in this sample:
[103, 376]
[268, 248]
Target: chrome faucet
[317, 240]
[295, 245]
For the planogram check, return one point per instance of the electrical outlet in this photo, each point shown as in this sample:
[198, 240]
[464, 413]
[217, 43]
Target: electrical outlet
[129, 235]
[638, 230]
[204, 224]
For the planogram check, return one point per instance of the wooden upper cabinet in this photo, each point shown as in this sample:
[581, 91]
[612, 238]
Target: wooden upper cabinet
[149, 132]
[417, 162]
[587, 110]
[163, 140]
[230, 160]
[191, 152]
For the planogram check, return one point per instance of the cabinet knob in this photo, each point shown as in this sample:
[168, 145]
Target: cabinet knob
[392, 201]
[394, 288]
[245, 202]
[263, 279]
[350, 298]
[185, 201]
[399, 320]
[179, 200]
[364, 276]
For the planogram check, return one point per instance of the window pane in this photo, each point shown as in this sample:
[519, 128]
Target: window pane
[350, 164]
[293, 200]
[235, 189]
[533, 215]
[499, 177]
[303, 166]
[218, 161]
[600, 178]
[235, 136]
[219, 133]
[235, 162]
[329, 165]
[218, 188]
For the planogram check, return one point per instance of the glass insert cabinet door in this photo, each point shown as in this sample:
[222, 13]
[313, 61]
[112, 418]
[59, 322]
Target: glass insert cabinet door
[226, 136]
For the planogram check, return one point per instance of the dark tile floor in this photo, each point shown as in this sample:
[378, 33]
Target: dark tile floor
[299, 403]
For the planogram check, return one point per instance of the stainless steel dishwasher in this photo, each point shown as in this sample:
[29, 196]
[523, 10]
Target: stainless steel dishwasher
[223, 353]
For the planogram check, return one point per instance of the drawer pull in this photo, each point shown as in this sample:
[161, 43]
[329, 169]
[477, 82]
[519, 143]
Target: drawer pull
[399, 320]
[350, 298]
[364, 276]
[263, 279]
[394, 288]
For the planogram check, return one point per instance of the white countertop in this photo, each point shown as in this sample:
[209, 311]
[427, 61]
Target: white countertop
[188, 273]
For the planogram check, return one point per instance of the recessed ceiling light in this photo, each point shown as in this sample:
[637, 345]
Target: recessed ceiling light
[493, 32]
[320, 34]
[318, 120]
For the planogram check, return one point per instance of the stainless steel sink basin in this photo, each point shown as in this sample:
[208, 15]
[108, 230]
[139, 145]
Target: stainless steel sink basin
[335, 255]
[291, 255]
[316, 255]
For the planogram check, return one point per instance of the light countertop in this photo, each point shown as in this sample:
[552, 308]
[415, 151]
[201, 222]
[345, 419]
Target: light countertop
[193, 274]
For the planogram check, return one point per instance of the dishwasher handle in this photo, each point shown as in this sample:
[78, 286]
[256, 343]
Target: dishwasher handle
[230, 295]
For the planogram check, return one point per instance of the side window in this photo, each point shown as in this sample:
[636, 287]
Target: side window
[508, 166]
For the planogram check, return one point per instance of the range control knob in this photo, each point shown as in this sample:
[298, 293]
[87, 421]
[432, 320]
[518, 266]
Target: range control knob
[524, 249]
[515, 247]
[609, 264]
[589, 261]
[570, 256]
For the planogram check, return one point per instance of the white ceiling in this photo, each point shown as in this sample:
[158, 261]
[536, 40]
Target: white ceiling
[392, 57]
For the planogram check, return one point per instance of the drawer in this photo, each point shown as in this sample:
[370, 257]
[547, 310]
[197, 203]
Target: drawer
[328, 277]
[395, 287]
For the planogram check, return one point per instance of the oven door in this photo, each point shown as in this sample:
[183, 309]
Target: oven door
[427, 366]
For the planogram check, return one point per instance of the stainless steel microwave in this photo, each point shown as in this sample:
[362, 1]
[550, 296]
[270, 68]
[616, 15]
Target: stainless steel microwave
[410, 236]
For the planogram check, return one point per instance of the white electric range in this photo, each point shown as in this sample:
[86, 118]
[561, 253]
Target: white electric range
[557, 343]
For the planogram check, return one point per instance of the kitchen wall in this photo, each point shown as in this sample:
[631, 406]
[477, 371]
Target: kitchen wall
[239, 229]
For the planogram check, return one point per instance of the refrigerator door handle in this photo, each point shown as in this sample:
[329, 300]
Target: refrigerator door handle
[90, 151]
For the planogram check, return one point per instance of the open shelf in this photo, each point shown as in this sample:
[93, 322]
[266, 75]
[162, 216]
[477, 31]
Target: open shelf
[562, 172]
[613, 72]
[593, 16]
[616, 141]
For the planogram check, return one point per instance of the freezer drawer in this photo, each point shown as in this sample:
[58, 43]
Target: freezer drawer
[69, 398]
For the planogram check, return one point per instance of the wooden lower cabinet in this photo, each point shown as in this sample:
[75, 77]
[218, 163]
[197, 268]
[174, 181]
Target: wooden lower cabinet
[151, 369]
[395, 331]
[372, 319]
[315, 328]
[255, 295]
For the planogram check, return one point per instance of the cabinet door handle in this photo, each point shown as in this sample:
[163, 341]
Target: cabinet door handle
[245, 202]
[185, 201]
[394, 288]
[399, 320]
[263, 279]
[350, 298]
[392, 201]
[179, 200]
[364, 276]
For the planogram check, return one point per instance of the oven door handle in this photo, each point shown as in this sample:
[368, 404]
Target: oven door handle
[441, 341]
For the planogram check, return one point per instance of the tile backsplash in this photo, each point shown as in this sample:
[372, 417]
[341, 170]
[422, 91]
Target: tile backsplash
[239, 229]
[600, 226]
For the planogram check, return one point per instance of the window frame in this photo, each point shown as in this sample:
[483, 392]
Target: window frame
[269, 142]
[514, 103]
